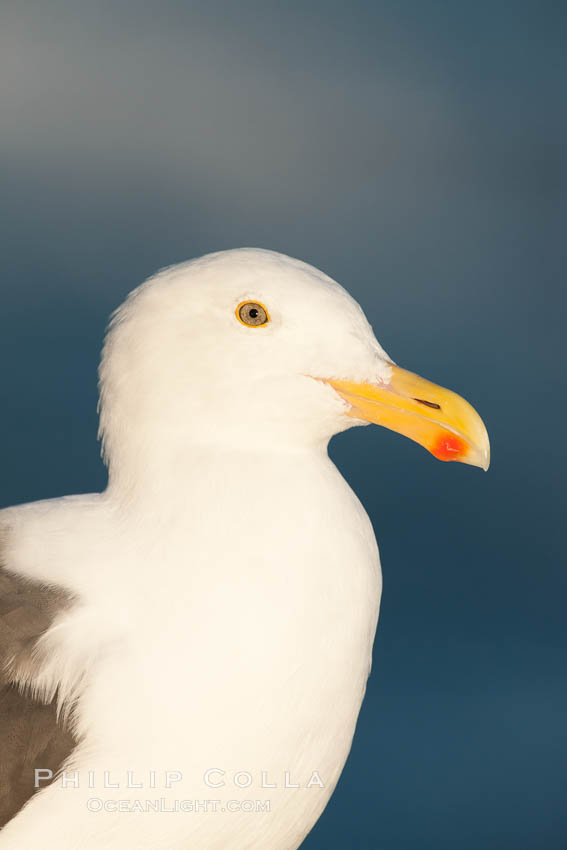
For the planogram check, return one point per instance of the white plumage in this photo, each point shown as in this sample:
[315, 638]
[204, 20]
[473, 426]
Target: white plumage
[226, 585]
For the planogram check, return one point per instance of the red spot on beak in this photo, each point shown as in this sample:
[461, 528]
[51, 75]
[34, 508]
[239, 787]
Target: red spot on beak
[449, 447]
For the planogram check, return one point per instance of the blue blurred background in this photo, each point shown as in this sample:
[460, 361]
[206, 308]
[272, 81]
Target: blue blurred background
[415, 151]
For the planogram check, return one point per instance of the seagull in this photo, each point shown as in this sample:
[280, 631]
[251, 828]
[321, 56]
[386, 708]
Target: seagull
[184, 655]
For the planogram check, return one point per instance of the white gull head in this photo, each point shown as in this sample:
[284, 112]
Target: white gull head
[251, 349]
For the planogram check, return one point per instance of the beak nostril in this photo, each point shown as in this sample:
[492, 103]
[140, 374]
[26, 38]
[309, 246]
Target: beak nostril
[428, 403]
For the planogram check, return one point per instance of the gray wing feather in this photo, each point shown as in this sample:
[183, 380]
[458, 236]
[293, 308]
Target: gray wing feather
[31, 734]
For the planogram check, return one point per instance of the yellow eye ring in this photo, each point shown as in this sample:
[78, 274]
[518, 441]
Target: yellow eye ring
[252, 314]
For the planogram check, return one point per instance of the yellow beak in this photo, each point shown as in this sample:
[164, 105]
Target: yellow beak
[436, 418]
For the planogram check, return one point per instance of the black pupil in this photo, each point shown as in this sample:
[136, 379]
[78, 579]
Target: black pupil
[253, 313]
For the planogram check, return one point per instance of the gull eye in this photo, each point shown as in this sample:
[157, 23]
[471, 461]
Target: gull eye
[252, 314]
